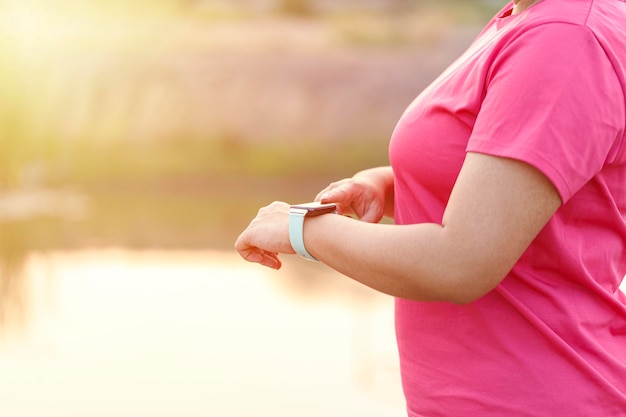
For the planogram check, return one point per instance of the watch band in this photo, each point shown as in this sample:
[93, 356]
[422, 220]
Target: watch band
[296, 225]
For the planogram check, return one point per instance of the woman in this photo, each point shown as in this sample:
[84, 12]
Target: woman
[508, 189]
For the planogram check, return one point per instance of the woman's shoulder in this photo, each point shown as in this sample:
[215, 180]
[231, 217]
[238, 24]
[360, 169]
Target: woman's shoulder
[596, 15]
[601, 20]
[609, 14]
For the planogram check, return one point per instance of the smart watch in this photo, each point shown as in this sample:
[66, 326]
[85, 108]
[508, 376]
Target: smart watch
[297, 214]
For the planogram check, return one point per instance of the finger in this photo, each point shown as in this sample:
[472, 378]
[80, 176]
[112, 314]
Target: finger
[271, 260]
[325, 196]
[329, 190]
[246, 251]
[340, 194]
[251, 254]
[343, 198]
[256, 255]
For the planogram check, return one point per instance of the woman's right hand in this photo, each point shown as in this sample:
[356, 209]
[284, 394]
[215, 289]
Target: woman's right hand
[367, 195]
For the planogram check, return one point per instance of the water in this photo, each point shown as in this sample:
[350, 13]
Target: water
[147, 333]
[116, 333]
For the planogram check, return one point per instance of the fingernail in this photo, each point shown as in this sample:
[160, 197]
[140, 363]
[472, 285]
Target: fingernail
[326, 196]
[255, 257]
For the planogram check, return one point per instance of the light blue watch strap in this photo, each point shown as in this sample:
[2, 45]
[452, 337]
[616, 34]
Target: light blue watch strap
[296, 224]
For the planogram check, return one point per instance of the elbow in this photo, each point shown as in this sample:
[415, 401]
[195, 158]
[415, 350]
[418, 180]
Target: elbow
[466, 288]
[459, 290]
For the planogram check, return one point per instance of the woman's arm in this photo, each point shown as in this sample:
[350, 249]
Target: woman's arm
[496, 209]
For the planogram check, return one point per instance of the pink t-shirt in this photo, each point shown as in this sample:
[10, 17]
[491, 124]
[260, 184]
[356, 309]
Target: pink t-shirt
[546, 86]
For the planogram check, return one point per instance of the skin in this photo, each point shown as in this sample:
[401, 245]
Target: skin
[496, 209]
[521, 5]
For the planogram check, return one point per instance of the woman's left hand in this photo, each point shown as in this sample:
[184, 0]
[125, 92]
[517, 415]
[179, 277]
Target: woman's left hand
[266, 236]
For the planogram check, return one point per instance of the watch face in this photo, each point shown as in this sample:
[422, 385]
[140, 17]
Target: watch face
[316, 207]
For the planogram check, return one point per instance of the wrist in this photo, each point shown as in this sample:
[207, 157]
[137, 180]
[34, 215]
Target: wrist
[297, 216]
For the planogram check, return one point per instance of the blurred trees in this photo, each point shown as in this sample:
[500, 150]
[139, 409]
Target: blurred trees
[295, 7]
[86, 72]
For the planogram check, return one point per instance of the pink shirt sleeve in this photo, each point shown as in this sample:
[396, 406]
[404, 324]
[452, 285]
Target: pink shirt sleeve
[569, 130]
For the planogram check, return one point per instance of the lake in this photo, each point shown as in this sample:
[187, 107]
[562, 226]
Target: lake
[116, 332]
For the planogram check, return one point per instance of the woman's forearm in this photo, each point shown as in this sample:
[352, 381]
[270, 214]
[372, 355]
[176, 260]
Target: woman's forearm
[496, 209]
[410, 262]
[403, 261]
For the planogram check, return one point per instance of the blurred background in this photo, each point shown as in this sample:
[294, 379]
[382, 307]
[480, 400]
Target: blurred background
[137, 139]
